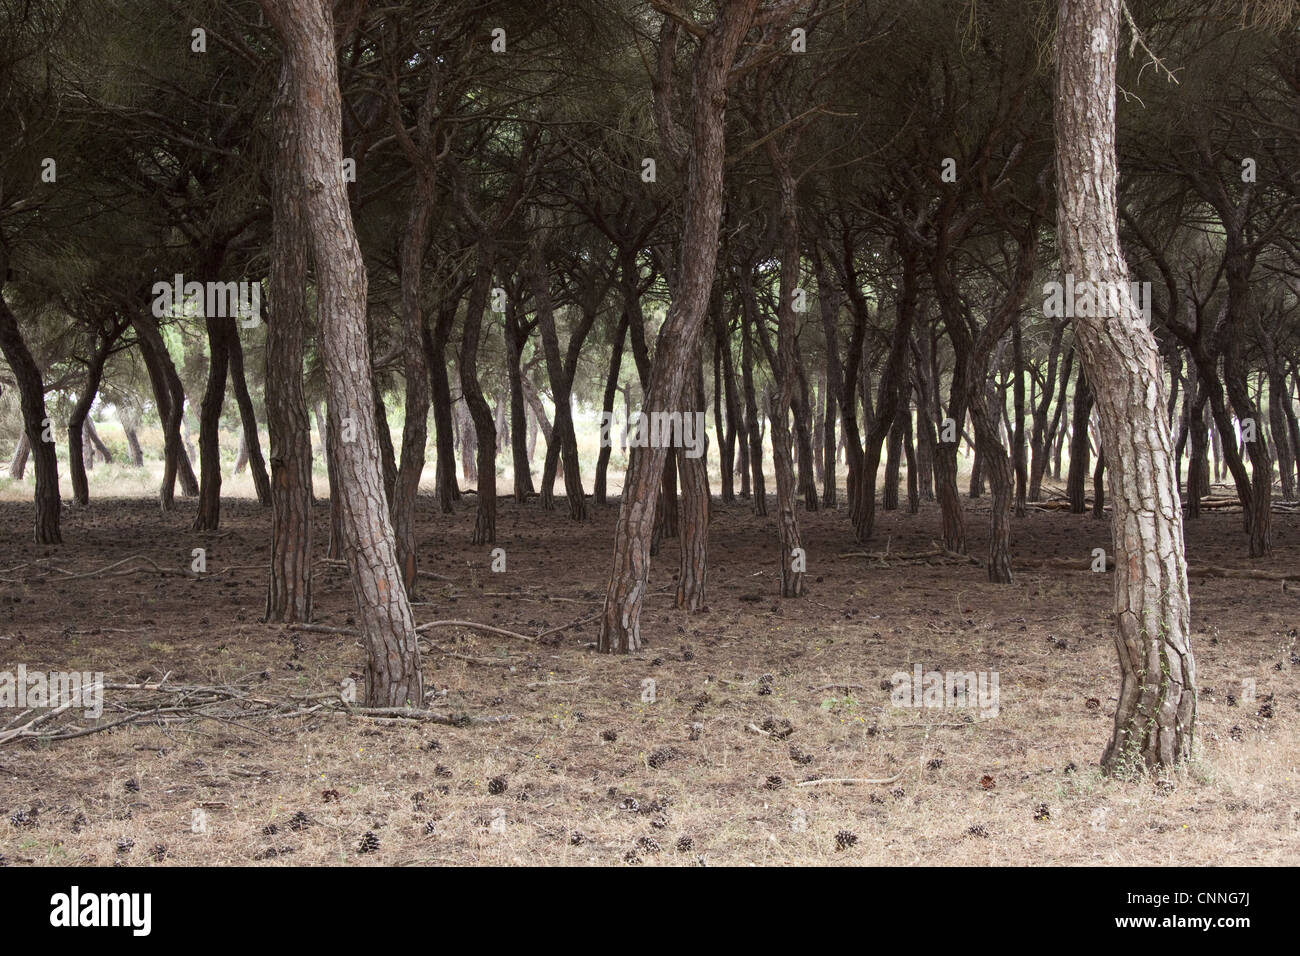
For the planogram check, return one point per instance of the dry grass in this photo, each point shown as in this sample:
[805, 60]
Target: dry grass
[424, 791]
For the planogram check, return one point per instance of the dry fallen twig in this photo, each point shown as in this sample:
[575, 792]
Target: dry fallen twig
[870, 781]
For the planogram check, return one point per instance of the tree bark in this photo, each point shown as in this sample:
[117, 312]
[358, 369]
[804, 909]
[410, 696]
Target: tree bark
[18, 464]
[694, 538]
[393, 676]
[36, 425]
[99, 345]
[434, 344]
[288, 592]
[516, 336]
[248, 418]
[1040, 441]
[1155, 720]
[620, 630]
[1076, 480]
[560, 370]
[169, 396]
[209, 515]
[484, 425]
[753, 433]
[607, 409]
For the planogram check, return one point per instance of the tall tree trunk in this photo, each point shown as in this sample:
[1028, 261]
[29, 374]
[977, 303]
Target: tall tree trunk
[724, 374]
[99, 345]
[288, 592]
[387, 454]
[1076, 480]
[561, 370]
[485, 429]
[169, 396]
[36, 425]
[334, 547]
[1286, 460]
[893, 460]
[891, 392]
[909, 452]
[515, 338]
[694, 538]
[248, 418]
[792, 557]
[753, 433]
[620, 630]
[607, 408]
[1155, 719]
[1019, 456]
[1040, 441]
[393, 676]
[1293, 428]
[435, 359]
[803, 431]
[1098, 488]
[209, 516]
[829, 299]
[421, 153]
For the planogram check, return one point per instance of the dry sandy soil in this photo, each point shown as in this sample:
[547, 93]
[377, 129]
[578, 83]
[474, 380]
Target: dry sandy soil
[587, 772]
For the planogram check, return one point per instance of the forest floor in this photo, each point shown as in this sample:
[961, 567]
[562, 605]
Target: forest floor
[750, 698]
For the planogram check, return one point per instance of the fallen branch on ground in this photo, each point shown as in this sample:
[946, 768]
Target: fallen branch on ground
[870, 781]
[158, 704]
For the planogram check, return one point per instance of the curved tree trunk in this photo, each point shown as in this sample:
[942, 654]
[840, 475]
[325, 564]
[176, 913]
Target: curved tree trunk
[484, 425]
[99, 348]
[169, 396]
[1040, 441]
[1155, 719]
[36, 425]
[248, 418]
[393, 676]
[891, 392]
[18, 464]
[620, 629]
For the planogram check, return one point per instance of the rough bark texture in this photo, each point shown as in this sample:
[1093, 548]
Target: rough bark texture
[393, 676]
[1155, 719]
[288, 593]
[31, 391]
[620, 630]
